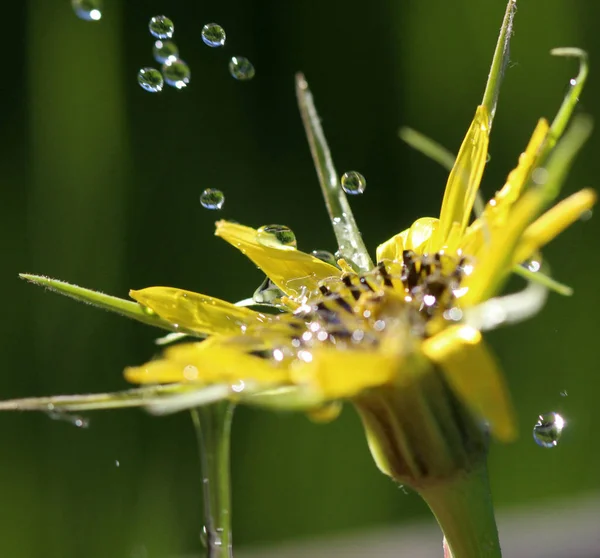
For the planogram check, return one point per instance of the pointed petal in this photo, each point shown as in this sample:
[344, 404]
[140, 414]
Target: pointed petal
[120, 306]
[553, 222]
[207, 362]
[464, 178]
[341, 374]
[294, 272]
[198, 313]
[474, 376]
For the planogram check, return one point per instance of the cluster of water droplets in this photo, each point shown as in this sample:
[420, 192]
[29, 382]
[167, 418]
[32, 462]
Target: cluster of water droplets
[548, 429]
[88, 10]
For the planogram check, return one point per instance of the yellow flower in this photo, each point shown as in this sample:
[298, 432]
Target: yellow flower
[400, 338]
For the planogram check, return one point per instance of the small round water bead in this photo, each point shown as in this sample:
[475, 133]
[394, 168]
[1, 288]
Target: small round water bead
[276, 236]
[88, 10]
[150, 79]
[241, 68]
[353, 183]
[164, 51]
[176, 73]
[161, 27]
[213, 35]
[325, 256]
[212, 199]
[548, 429]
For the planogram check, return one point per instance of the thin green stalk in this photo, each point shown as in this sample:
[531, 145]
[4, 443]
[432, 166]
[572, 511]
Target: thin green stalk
[213, 428]
[464, 510]
[351, 245]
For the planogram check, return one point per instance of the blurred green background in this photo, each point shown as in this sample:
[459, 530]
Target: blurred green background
[100, 187]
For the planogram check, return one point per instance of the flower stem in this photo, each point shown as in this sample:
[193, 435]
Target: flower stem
[213, 428]
[464, 510]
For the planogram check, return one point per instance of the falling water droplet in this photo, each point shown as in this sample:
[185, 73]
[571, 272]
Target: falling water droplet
[212, 199]
[276, 236]
[241, 68]
[213, 35]
[353, 183]
[117, 463]
[548, 429]
[88, 10]
[164, 51]
[176, 73]
[161, 27]
[151, 80]
[325, 256]
[75, 420]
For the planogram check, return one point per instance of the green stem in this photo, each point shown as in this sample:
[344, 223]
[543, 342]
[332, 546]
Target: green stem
[213, 428]
[464, 510]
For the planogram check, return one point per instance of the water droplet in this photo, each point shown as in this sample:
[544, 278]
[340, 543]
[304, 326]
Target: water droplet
[564, 393]
[353, 183]
[161, 27]
[241, 68]
[276, 236]
[534, 265]
[117, 463]
[586, 215]
[212, 199]
[151, 80]
[164, 51]
[548, 429]
[325, 256]
[75, 420]
[572, 82]
[267, 293]
[176, 73]
[88, 10]
[213, 35]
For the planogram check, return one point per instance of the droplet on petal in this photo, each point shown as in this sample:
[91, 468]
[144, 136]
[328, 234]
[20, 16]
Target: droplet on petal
[276, 236]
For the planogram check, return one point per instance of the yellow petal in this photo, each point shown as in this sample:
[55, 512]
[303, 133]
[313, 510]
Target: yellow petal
[341, 374]
[207, 363]
[294, 272]
[553, 222]
[474, 376]
[391, 249]
[464, 178]
[196, 312]
[495, 260]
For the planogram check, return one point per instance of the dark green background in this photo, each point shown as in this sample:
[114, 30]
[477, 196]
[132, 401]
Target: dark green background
[100, 186]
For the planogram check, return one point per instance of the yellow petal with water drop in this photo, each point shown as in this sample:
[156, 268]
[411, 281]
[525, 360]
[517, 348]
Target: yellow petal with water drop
[294, 272]
[207, 363]
[195, 312]
[391, 249]
[473, 375]
[464, 178]
[416, 238]
[553, 222]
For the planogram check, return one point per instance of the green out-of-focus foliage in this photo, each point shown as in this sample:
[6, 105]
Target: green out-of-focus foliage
[100, 187]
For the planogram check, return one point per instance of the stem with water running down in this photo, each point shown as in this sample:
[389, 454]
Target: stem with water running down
[464, 510]
[213, 428]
